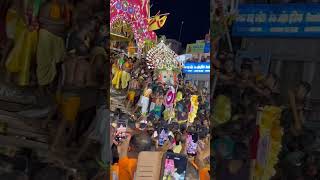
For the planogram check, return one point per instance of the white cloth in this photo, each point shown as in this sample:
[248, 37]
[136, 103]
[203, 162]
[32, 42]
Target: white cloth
[144, 104]
[139, 102]
[99, 132]
[152, 105]
[155, 134]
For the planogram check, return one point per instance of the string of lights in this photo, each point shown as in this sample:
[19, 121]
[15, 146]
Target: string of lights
[162, 57]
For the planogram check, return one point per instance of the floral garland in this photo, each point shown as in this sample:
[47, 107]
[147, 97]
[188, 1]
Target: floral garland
[269, 143]
[194, 108]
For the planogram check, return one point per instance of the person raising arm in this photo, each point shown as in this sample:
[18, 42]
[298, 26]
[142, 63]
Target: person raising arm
[128, 154]
[200, 162]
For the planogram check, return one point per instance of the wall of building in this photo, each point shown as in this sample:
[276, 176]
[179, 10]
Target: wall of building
[290, 49]
[203, 80]
[291, 59]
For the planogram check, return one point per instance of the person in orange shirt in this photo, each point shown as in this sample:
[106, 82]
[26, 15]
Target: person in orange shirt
[128, 155]
[200, 162]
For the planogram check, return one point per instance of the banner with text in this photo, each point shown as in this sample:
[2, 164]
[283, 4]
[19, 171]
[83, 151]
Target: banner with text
[197, 68]
[195, 48]
[289, 20]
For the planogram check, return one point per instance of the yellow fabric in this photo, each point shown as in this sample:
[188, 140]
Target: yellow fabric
[194, 104]
[131, 49]
[116, 79]
[24, 50]
[183, 121]
[177, 149]
[55, 11]
[147, 92]
[69, 108]
[269, 125]
[156, 22]
[125, 78]
[128, 65]
[168, 114]
[131, 95]
[114, 69]
[50, 51]
[11, 23]
[259, 77]
[179, 96]
[120, 77]
[222, 113]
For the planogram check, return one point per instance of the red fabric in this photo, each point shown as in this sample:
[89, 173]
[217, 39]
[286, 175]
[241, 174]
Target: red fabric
[189, 107]
[254, 143]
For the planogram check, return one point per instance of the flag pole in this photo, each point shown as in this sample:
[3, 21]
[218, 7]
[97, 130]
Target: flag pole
[180, 30]
[150, 6]
[161, 15]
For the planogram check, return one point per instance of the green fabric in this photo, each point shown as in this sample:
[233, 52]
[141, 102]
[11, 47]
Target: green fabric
[36, 7]
[103, 165]
[121, 61]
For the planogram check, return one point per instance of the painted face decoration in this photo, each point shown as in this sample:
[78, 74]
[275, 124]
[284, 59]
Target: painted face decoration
[167, 77]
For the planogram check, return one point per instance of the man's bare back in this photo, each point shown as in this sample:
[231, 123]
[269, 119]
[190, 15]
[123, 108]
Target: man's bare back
[77, 73]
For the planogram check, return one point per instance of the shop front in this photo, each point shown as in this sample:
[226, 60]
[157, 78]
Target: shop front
[286, 39]
[198, 74]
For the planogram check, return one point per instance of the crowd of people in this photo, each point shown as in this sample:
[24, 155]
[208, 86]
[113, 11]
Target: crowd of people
[238, 98]
[151, 125]
[59, 48]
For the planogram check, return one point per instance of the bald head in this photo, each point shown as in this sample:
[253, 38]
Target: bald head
[140, 142]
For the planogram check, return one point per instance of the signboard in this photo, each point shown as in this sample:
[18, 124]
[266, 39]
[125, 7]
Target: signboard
[200, 57]
[195, 48]
[207, 47]
[200, 41]
[197, 68]
[284, 20]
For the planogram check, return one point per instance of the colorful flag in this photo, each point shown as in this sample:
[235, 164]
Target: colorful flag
[156, 22]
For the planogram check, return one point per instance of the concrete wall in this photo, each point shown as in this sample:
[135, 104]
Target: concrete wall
[286, 49]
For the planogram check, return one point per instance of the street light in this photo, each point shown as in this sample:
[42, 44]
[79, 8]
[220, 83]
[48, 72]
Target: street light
[180, 30]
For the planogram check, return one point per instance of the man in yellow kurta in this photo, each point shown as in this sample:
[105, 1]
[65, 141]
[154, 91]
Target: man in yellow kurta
[25, 38]
[51, 47]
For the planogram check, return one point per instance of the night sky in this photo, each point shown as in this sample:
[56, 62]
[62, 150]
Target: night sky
[195, 15]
